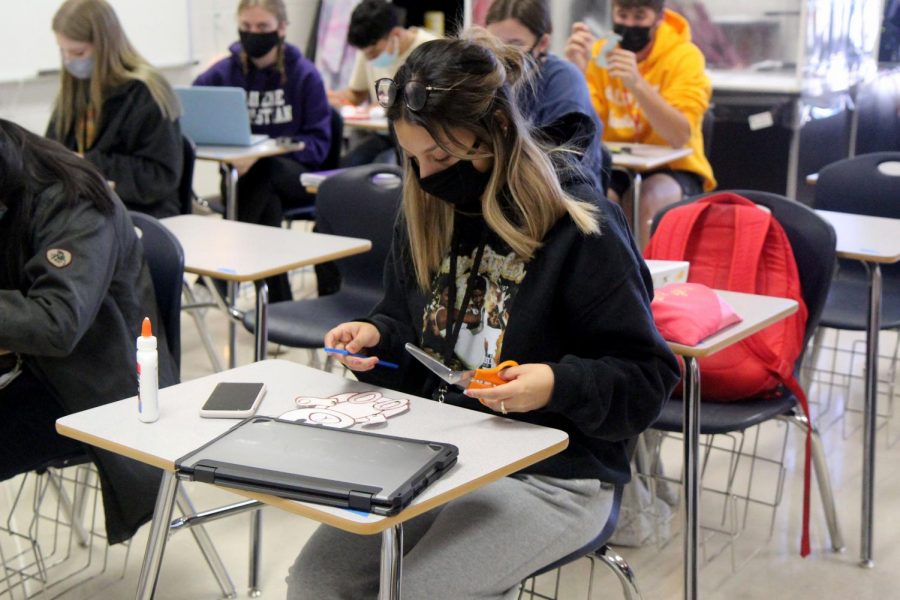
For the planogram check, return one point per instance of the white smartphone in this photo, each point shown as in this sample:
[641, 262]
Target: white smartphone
[233, 400]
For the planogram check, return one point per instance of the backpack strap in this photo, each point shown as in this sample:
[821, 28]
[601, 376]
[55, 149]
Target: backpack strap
[784, 374]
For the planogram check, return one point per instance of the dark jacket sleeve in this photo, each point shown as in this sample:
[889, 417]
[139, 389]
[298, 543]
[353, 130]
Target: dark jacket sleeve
[620, 391]
[392, 317]
[146, 162]
[314, 129]
[62, 302]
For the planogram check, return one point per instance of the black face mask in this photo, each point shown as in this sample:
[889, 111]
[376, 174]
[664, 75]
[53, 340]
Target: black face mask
[460, 185]
[257, 45]
[634, 38]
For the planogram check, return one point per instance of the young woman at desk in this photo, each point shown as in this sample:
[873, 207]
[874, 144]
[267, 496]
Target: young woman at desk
[285, 98]
[114, 109]
[567, 297]
[73, 292]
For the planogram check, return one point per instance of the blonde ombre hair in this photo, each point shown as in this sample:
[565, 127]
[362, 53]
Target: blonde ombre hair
[481, 76]
[277, 9]
[116, 62]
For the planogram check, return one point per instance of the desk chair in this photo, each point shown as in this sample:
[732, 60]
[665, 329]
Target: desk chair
[813, 242]
[595, 550]
[351, 203]
[858, 185]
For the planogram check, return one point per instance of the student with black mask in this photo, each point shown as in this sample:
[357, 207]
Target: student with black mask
[489, 215]
[285, 98]
[652, 89]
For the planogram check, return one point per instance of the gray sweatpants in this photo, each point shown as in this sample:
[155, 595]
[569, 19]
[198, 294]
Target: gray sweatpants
[481, 545]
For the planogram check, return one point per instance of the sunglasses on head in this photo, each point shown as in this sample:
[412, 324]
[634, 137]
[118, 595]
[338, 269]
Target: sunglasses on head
[415, 93]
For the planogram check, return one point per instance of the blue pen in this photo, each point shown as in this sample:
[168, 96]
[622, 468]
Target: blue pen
[382, 363]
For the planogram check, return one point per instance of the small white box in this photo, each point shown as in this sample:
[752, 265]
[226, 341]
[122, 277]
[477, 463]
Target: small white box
[668, 271]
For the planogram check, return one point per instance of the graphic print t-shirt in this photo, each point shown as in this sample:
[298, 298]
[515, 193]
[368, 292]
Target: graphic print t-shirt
[480, 341]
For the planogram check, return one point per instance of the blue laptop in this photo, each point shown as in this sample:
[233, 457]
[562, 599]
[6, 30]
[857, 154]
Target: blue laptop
[216, 116]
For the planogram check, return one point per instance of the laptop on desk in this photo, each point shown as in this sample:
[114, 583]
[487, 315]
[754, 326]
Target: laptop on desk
[345, 468]
[216, 116]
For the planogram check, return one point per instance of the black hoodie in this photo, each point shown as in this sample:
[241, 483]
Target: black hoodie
[138, 149]
[581, 305]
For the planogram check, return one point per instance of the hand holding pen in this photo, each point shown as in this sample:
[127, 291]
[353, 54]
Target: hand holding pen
[349, 340]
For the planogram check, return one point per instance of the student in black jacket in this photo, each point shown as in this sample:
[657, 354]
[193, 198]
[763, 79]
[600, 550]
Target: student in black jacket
[116, 110]
[530, 268]
[73, 292]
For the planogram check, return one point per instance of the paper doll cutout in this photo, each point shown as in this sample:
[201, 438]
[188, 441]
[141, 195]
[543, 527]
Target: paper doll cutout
[345, 410]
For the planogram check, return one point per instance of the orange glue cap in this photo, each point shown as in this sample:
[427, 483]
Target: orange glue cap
[146, 329]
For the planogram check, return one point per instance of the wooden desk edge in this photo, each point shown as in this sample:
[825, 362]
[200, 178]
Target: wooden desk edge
[701, 351]
[310, 511]
[283, 268]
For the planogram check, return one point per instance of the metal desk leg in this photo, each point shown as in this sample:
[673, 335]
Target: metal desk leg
[870, 412]
[156, 542]
[230, 177]
[255, 552]
[691, 400]
[391, 562]
[206, 546]
[636, 181]
[261, 338]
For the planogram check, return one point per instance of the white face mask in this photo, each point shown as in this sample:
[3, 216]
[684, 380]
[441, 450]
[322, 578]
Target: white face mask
[80, 68]
[387, 58]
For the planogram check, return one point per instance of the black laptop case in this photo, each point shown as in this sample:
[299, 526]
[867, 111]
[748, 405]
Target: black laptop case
[338, 467]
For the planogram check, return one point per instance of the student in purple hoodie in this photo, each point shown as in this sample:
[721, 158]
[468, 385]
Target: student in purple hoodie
[285, 98]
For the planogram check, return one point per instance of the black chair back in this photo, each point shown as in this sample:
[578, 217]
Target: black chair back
[186, 185]
[356, 203]
[812, 240]
[165, 259]
[857, 185]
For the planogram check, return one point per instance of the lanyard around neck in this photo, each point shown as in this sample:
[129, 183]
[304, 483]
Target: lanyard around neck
[457, 323]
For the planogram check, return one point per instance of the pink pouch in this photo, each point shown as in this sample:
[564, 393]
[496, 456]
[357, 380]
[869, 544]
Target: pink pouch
[688, 313]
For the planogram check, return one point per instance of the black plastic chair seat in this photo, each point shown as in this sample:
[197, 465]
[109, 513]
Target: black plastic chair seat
[848, 299]
[725, 417]
[303, 324]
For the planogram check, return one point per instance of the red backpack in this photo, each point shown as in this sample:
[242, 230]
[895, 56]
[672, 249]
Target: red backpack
[733, 244]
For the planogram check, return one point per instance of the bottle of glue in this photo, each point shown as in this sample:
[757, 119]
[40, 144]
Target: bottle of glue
[148, 374]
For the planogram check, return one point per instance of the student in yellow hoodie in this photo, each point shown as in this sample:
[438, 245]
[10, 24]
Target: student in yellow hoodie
[652, 89]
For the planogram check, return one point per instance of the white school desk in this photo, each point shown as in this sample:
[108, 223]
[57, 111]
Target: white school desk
[226, 155]
[490, 447]
[874, 241]
[636, 159]
[378, 125]
[238, 252]
[757, 312]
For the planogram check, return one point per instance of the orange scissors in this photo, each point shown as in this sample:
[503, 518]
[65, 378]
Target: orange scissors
[471, 380]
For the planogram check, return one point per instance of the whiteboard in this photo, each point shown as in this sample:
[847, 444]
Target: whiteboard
[160, 30]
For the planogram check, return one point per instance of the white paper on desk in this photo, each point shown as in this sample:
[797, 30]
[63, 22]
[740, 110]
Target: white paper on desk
[345, 410]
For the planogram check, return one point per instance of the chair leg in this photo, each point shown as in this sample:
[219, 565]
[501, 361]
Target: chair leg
[808, 372]
[71, 509]
[202, 329]
[206, 546]
[622, 570]
[822, 479]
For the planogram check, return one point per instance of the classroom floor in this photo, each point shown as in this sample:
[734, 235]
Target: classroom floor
[729, 571]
